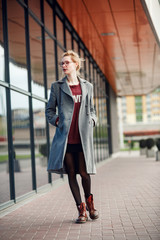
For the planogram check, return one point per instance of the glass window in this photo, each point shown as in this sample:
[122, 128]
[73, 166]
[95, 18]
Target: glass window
[50, 62]
[97, 111]
[68, 40]
[91, 73]
[4, 175]
[1, 47]
[60, 72]
[95, 132]
[75, 45]
[2, 63]
[138, 99]
[59, 27]
[81, 53]
[139, 118]
[83, 63]
[35, 7]
[48, 17]
[21, 143]
[87, 68]
[101, 122]
[36, 58]
[104, 128]
[124, 100]
[99, 116]
[17, 46]
[40, 142]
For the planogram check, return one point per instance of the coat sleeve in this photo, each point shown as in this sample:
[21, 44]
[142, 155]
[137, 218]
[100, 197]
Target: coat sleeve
[51, 107]
[92, 108]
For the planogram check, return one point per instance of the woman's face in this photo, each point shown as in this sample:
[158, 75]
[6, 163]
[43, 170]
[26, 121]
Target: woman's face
[68, 66]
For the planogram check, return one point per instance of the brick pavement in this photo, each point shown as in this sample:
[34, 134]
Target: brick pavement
[127, 195]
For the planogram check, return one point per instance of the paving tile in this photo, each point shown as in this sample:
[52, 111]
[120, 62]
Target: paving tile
[155, 237]
[127, 200]
[108, 238]
[144, 238]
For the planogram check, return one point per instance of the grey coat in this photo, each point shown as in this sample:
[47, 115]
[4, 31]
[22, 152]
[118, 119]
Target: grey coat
[61, 100]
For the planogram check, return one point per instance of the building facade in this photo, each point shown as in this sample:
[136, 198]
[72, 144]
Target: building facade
[141, 115]
[144, 108]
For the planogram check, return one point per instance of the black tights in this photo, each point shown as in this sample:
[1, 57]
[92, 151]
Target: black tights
[75, 162]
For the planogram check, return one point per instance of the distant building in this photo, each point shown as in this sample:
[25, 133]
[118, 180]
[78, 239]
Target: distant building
[141, 108]
[141, 115]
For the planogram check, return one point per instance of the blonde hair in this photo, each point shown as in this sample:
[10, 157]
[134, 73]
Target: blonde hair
[75, 58]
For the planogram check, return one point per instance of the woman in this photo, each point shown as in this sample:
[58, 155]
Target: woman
[72, 146]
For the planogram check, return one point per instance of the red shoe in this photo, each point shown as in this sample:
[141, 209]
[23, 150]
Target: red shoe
[93, 213]
[82, 218]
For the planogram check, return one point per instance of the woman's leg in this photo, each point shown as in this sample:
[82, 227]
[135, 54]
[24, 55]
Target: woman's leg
[69, 162]
[86, 183]
[86, 180]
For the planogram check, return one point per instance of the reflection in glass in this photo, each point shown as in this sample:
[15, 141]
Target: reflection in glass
[75, 45]
[40, 142]
[50, 61]
[97, 112]
[17, 48]
[18, 76]
[87, 68]
[83, 63]
[100, 123]
[21, 143]
[60, 72]
[36, 58]
[59, 27]
[99, 117]
[35, 7]
[91, 74]
[1, 47]
[48, 17]
[2, 64]
[104, 127]
[4, 175]
[68, 40]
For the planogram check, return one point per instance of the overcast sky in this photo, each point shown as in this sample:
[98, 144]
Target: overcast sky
[18, 75]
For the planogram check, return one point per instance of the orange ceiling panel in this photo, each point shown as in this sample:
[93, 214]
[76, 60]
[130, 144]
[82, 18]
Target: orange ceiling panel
[129, 53]
[121, 5]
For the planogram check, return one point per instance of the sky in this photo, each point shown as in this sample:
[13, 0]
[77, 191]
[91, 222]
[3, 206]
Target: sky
[18, 76]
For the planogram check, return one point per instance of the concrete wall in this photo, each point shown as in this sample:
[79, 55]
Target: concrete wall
[114, 122]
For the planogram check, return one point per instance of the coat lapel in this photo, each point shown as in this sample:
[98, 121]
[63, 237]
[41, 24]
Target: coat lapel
[83, 87]
[64, 86]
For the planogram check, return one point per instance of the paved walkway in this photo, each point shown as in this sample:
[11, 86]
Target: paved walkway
[127, 195]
